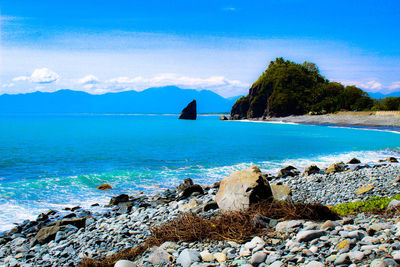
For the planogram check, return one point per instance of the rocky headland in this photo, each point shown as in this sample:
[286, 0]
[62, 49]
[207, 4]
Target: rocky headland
[364, 234]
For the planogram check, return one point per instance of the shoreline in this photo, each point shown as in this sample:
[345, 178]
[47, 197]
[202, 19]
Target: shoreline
[81, 233]
[372, 122]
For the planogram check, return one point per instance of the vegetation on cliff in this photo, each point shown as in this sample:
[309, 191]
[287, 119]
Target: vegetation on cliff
[287, 88]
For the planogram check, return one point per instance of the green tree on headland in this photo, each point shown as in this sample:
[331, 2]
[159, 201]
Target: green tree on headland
[287, 88]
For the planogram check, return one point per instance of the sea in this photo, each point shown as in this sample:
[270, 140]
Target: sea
[52, 161]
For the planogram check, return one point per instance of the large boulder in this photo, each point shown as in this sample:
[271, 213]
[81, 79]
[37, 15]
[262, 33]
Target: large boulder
[242, 188]
[190, 112]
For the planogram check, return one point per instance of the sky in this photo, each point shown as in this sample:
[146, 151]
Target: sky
[219, 45]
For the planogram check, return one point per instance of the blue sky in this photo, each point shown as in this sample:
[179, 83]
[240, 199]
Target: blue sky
[103, 46]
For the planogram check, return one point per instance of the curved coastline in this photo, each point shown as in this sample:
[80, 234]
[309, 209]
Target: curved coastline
[377, 123]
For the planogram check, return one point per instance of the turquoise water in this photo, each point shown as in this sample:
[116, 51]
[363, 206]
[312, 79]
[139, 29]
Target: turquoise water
[53, 161]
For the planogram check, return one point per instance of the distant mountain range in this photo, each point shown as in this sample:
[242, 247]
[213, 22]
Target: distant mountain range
[380, 95]
[169, 99]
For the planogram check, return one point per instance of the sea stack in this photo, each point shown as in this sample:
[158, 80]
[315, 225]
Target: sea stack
[190, 112]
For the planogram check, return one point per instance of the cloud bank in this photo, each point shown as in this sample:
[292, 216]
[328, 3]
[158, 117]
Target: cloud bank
[218, 84]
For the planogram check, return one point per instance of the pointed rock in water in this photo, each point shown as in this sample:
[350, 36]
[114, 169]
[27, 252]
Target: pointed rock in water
[190, 112]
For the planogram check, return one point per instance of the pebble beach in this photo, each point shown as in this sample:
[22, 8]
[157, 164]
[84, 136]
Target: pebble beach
[356, 240]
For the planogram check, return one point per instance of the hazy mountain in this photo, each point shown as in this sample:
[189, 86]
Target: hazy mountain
[169, 99]
[380, 95]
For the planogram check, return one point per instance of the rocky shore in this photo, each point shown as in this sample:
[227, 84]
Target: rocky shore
[362, 239]
[344, 119]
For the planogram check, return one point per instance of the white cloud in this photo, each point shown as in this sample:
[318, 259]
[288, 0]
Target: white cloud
[43, 75]
[7, 85]
[375, 86]
[218, 84]
[371, 86]
[88, 79]
[395, 85]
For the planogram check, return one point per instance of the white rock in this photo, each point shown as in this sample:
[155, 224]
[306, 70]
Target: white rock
[315, 264]
[378, 263]
[220, 257]
[158, 256]
[206, 256]
[254, 242]
[288, 225]
[244, 252]
[258, 258]
[124, 263]
[277, 264]
[187, 257]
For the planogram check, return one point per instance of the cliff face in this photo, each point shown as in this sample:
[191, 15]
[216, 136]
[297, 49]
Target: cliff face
[255, 104]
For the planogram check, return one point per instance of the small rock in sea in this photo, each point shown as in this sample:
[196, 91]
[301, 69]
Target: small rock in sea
[187, 257]
[308, 235]
[104, 187]
[392, 159]
[223, 118]
[354, 161]
[124, 263]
